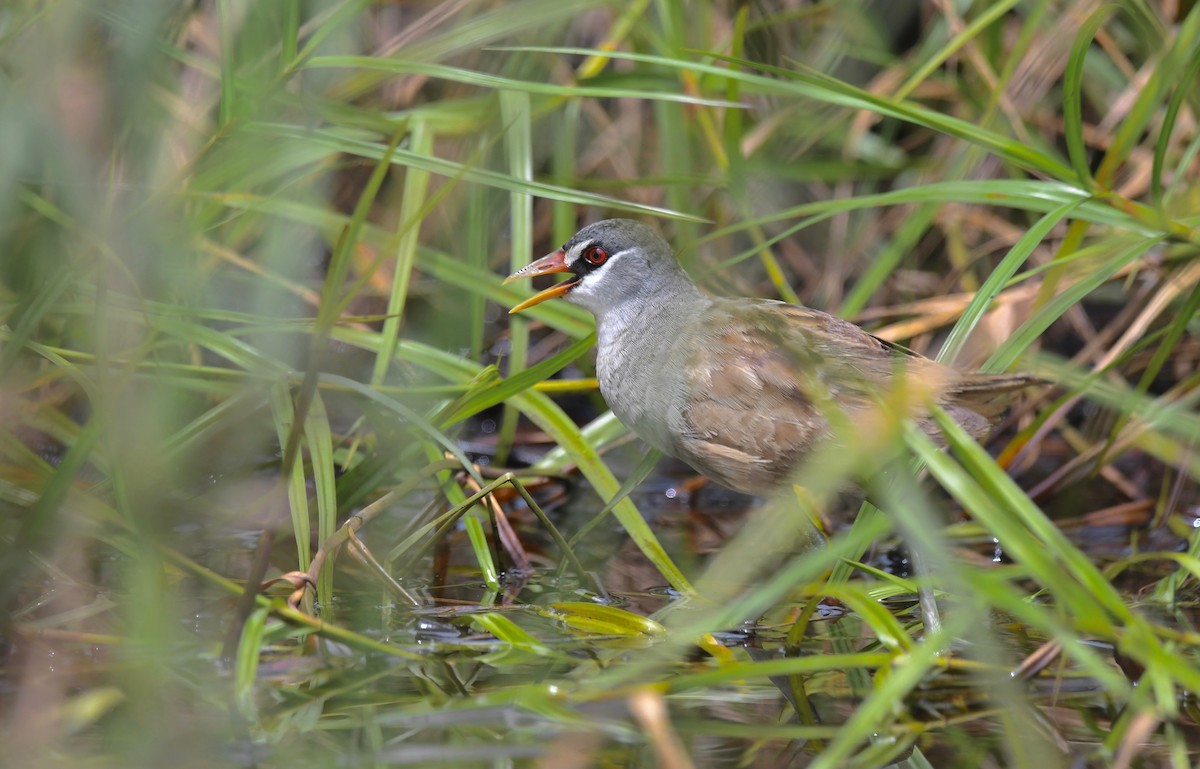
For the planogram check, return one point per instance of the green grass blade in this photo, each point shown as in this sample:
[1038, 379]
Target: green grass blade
[293, 473]
[476, 400]
[249, 649]
[1029, 331]
[483, 553]
[1182, 90]
[518, 146]
[412, 205]
[319, 439]
[998, 279]
[356, 143]
[814, 85]
[1073, 95]
[505, 84]
[991, 13]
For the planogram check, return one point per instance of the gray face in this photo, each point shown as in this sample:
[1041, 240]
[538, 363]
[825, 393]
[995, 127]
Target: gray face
[618, 261]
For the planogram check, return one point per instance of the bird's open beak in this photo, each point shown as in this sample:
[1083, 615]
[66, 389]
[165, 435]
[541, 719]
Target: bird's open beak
[550, 263]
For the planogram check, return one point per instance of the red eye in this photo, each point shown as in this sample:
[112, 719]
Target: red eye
[595, 255]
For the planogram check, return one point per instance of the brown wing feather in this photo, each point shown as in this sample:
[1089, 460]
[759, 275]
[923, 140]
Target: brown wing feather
[748, 420]
[766, 375]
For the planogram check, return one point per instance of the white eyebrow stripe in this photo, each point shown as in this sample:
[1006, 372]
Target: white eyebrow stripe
[574, 254]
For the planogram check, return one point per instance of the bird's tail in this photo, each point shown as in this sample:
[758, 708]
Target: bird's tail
[997, 383]
[989, 394]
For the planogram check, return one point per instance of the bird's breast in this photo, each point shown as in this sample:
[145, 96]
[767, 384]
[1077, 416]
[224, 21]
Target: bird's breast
[640, 366]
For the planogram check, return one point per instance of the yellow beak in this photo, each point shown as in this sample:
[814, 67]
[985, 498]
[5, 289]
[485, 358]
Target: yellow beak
[550, 263]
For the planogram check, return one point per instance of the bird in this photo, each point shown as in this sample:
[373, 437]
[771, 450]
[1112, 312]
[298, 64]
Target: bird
[741, 389]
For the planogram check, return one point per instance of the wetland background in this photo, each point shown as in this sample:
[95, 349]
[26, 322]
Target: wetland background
[253, 332]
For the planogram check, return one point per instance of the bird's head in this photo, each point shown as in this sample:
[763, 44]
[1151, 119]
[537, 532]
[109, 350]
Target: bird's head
[611, 262]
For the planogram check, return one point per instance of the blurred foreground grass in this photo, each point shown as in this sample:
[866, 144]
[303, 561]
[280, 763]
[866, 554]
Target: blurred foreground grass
[251, 316]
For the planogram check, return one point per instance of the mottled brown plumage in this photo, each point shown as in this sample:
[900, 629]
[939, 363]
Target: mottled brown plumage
[741, 389]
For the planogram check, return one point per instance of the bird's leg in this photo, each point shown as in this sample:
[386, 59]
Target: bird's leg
[931, 617]
[897, 494]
